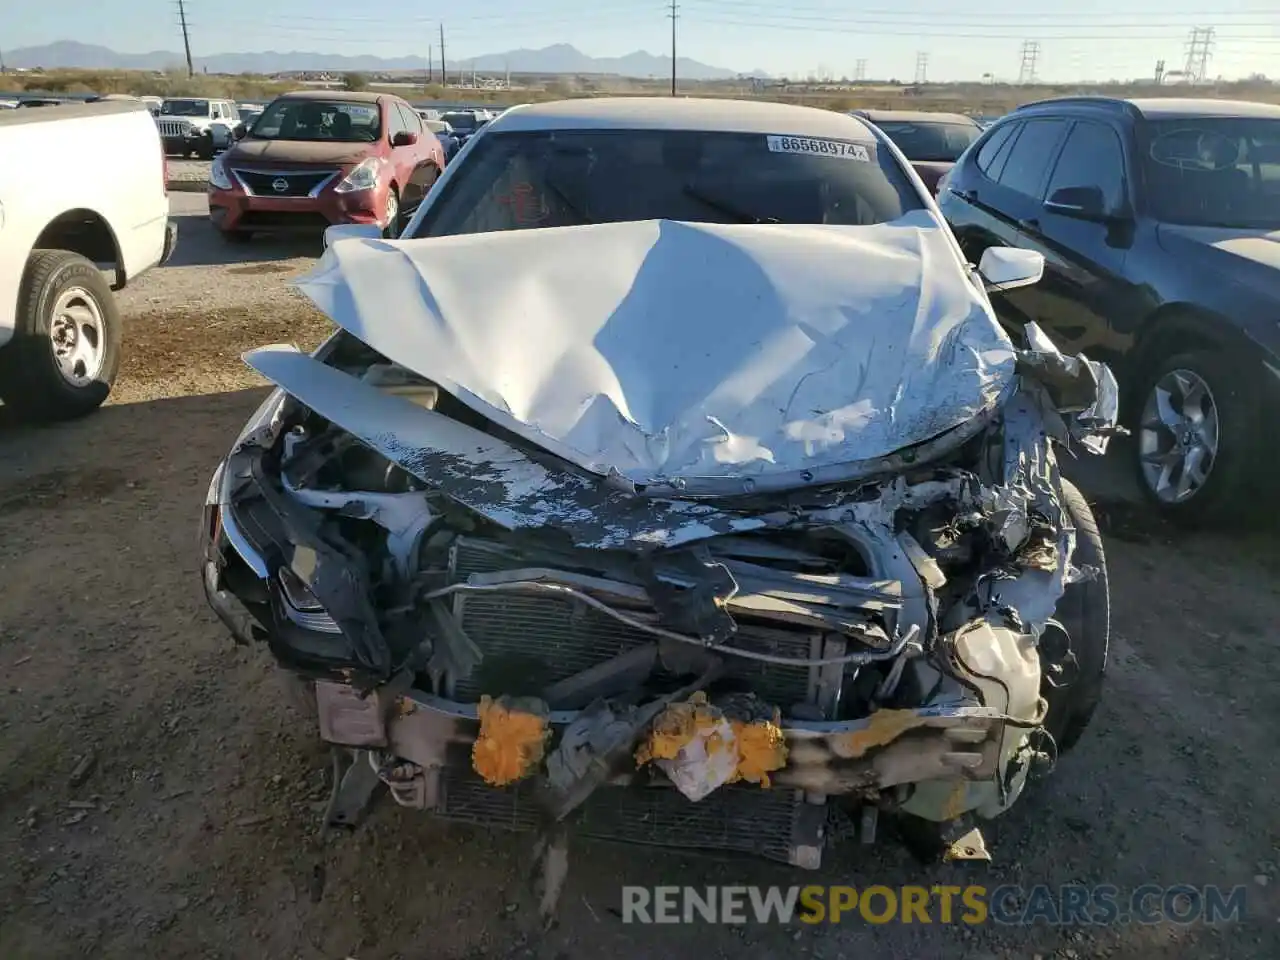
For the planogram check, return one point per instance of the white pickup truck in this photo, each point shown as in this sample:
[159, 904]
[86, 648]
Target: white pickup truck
[83, 210]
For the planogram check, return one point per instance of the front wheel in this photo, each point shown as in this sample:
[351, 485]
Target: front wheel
[392, 229]
[65, 353]
[1195, 436]
[1084, 613]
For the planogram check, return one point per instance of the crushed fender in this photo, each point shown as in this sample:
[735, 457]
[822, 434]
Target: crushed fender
[513, 737]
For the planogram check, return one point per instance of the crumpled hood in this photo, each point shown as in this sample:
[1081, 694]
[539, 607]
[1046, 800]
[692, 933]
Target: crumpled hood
[667, 351]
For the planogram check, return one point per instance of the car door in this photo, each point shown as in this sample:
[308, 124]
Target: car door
[1013, 201]
[1084, 291]
[419, 169]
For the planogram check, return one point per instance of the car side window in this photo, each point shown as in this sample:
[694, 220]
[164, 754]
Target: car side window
[410, 119]
[993, 148]
[395, 121]
[1091, 157]
[1028, 165]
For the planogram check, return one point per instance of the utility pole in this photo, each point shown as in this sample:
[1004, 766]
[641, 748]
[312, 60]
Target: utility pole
[922, 68]
[186, 37]
[674, 15]
[431, 66]
[1030, 55]
[444, 77]
[1199, 46]
[860, 70]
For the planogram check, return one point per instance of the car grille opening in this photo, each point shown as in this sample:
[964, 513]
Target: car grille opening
[266, 183]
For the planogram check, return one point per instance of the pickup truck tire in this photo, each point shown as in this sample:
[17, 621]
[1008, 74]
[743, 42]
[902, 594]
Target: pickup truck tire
[65, 310]
[1085, 614]
[206, 149]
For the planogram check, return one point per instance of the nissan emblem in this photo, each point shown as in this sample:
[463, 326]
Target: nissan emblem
[279, 184]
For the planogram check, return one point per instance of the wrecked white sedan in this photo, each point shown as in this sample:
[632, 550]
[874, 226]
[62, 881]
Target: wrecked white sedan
[671, 480]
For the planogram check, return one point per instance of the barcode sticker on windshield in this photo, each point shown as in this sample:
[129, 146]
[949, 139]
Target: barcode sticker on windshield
[819, 148]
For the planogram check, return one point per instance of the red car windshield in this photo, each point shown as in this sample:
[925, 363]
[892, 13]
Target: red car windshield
[318, 120]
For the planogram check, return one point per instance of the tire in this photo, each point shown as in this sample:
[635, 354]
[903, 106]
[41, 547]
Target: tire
[392, 229]
[1085, 613]
[206, 149]
[1225, 492]
[236, 236]
[87, 327]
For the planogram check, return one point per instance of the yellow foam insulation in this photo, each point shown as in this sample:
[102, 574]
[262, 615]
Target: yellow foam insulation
[678, 725]
[512, 740]
[883, 727]
[761, 749]
[759, 745]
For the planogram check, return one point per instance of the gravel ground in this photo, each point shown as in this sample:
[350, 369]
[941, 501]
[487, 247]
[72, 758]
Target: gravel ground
[157, 798]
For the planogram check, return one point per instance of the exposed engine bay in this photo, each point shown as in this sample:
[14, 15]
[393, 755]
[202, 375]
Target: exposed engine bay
[718, 544]
[887, 642]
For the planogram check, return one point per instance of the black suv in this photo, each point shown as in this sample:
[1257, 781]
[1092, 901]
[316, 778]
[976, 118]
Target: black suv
[1159, 221]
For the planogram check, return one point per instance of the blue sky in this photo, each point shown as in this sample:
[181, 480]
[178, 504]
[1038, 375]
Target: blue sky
[1096, 40]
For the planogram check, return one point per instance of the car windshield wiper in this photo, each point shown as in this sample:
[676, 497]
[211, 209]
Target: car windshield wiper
[728, 209]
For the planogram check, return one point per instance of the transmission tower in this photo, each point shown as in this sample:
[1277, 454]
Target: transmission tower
[1159, 72]
[1030, 54]
[922, 68]
[860, 70]
[186, 37]
[1199, 48]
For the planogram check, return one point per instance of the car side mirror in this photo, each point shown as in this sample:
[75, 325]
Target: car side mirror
[1007, 268]
[1083, 203]
[350, 231]
[404, 138]
[238, 131]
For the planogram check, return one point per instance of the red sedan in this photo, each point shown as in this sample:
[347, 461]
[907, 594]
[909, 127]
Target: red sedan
[322, 157]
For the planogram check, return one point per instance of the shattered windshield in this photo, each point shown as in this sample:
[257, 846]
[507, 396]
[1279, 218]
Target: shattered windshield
[1214, 171]
[929, 140]
[318, 120]
[185, 108]
[547, 179]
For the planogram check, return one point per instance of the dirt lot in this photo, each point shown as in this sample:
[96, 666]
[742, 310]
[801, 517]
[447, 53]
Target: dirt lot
[156, 798]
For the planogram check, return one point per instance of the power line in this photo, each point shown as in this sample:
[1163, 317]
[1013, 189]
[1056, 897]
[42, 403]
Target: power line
[186, 38]
[1030, 54]
[922, 68]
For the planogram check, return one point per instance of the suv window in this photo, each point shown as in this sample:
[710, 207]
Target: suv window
[992, 148]
[1091, 157]
[1028, 164]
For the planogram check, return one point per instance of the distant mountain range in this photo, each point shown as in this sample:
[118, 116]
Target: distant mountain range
[558, 58]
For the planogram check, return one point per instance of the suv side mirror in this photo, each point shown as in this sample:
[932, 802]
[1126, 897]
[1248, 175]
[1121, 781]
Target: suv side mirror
[1083, 203]
[1007, 268]
[405, 138]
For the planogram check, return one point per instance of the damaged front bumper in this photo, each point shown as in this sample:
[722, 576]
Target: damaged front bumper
[880, 646]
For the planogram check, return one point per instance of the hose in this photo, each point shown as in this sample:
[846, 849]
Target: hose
[558, 590]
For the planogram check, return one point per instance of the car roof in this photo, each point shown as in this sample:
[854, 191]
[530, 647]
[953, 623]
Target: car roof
[1157, 108]
[682, 113]
[336, 96]
[917, 116]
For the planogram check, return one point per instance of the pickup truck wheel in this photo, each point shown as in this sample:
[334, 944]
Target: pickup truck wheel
[1085, 615]
[1196, 436]
[65, 352]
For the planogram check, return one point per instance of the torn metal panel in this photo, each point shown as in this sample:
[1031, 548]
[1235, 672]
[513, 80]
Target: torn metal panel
[487, 474]
[696, 354]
